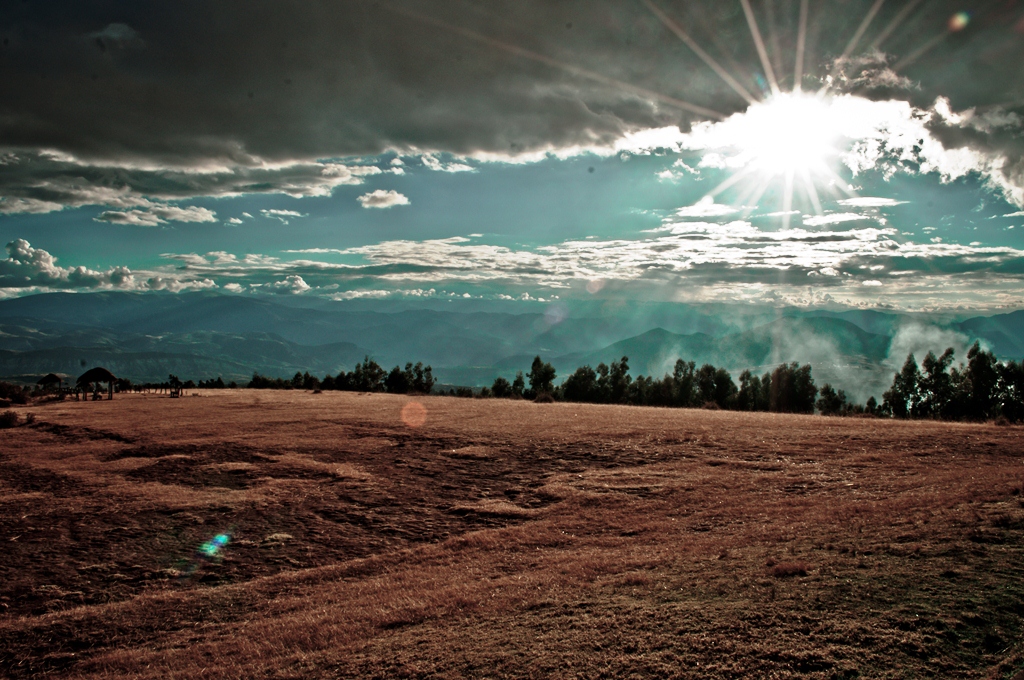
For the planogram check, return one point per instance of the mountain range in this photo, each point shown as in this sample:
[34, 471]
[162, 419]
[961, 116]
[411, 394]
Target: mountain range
[145, 337]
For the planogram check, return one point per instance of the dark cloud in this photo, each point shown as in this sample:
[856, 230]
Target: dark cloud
[139, 98]
[232, 81]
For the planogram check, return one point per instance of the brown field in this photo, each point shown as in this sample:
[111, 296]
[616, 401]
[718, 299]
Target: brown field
[504, 539]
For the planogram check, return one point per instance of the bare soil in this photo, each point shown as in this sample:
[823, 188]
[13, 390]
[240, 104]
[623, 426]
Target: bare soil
[503, 539]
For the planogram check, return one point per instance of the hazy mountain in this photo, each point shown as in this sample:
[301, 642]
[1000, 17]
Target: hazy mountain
[839, 351]
[201, 335]
[1004, 332]
[783, 340]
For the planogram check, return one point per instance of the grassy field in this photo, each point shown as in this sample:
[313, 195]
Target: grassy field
[292, 535]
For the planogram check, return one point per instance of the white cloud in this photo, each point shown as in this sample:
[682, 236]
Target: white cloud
[1019, 213]
[155, 214]
[234, 220]
[283, 215]
[890, 136]
[293, 284]
[699, 261]
[870, 202]
[834, 218]
[382, 199]
[706, 207]
[380, 294]
[432, 163]
[31, 269]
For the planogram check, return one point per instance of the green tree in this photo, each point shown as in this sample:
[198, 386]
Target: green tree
[501, 388]
[830, 402]
[1011, 391]
[542, 377]
[750, 396]
[936, 386]
[398, 381]
[982, 380]
[422, 378]
[518, 385]
[903, 398]
[684, 383]
[792, 389]
[581, 385]
[367, 377]
[618, 381]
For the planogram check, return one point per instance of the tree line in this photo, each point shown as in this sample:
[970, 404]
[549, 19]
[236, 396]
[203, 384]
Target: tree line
[367, 376]
[983, 389]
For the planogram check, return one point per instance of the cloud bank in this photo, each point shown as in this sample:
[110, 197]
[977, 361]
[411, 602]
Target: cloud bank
[169, 108]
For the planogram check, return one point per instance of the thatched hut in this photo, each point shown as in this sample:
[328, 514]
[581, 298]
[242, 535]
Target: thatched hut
[51, 380]
[98, 375]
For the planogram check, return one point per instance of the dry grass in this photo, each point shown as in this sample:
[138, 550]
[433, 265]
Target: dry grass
[504, 539]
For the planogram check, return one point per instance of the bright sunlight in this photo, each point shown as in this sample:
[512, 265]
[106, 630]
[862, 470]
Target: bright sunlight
[789, 132]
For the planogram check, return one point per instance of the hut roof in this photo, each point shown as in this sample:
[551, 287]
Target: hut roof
[98, 374]
[51, 378]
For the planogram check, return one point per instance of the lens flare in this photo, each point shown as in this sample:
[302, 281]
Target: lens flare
[959, 21]
[212, 548]
[414, 414]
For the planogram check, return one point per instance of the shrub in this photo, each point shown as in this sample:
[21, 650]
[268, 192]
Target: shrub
[544, 398]
[15, 394]
[8, 419]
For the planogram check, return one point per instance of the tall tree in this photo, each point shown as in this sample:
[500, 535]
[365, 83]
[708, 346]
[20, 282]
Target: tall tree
[903, 397]
[982, 379]
[684, 381]
[542, 377]
[936, 385]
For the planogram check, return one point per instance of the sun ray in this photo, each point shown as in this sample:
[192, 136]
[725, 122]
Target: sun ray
[751, 200]
[755, 32]
[550, 61]
[773, 38]
[868, 18]
[787, 199]
[811, 191]
[801, 46]
[894, 24]
[674, 26]
[920, 51]
[730, 181]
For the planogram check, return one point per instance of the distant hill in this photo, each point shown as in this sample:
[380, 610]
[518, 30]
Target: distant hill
[205, 334]
[143, 358]
[784, 340]
[1004, 332]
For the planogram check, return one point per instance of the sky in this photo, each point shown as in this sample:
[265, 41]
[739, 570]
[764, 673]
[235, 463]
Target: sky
[817, 153]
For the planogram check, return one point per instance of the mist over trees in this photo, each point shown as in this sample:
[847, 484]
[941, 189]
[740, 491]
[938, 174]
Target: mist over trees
[983, 389]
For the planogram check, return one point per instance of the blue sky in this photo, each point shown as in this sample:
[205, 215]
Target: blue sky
[581, 151]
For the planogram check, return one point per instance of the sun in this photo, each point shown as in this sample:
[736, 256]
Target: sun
[792, 138]
[789, 133]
